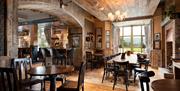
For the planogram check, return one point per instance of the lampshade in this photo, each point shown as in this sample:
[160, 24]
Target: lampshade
[117, 16]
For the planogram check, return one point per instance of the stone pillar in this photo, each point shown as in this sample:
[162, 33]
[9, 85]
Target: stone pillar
[34, 35]
[2, 27]
[11, 28]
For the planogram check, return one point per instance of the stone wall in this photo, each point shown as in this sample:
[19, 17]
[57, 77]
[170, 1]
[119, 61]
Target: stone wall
[157, 53]
[8, 28]
[2, 26]
[177, 39]
[11, 28]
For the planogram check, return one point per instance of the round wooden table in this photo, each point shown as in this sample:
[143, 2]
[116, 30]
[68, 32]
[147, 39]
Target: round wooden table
[166, 85]
[52, 72]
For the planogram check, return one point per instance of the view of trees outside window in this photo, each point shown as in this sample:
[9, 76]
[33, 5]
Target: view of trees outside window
[42, 41]
[132, 38]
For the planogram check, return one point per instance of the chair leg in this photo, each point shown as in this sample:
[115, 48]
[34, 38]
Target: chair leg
[86, 65]
[103, 76]
[126, 82]
[142, 87]
[147, 85]
[91, 65]
[83, 88]
[134, 76]
[115, 79]
[42, 86]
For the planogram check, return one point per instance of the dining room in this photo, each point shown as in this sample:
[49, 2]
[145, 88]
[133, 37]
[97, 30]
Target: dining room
[89, 45]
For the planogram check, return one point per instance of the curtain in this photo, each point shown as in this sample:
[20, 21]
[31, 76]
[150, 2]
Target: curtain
[116, 39]
[47, 32]
[148, 38]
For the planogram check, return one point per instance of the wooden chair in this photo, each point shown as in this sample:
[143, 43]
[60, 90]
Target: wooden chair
[70, 56]
[89, 58]
[75, 85]
[138, 70]
[121, 69]
[61, 77]
[42, 55]
[8, 79]
[22, 66]
[108, 68]
[62, 55]
[144, 78]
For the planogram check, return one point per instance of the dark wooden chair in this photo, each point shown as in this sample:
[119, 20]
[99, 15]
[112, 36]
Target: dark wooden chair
[8, 80]
[62, 55]
[145, 78]
[62, 77]
[22, 66]
[108, 68]
[41, 55]
[121, 69]
[70, 56]
[89, 59]
[139, 69]
[75, 85]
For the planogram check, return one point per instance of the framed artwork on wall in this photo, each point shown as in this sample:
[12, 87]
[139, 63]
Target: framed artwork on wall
[98, 38]
[157, 36]
[76, 41]
[157, 44]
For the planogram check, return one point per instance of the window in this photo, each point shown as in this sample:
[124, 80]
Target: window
[132, 38]
[42, 41]
[107, 39]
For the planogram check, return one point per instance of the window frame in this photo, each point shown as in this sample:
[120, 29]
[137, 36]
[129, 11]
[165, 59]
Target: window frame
[121, 37]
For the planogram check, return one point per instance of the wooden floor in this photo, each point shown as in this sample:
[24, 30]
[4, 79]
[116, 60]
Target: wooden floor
[93, 81]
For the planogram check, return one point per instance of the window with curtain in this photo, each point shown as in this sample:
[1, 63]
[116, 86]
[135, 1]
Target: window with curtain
[132, 38]
[42, 41]
[107, 39]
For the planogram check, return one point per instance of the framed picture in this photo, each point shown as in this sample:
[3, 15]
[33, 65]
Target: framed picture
[157, 44]
[157, 36]
[98, 38]
[76, 41]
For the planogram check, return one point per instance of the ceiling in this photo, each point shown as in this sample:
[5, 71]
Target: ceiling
[133, 8]
[98, 8]
[30, 15]
[26, 16]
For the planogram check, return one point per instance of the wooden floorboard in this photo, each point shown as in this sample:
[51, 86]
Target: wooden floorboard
[93, 81]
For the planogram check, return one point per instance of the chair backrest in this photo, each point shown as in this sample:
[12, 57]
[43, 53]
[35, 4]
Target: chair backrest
[47, 52]
[8, 79]
[144, 78]
[81, 75]
[146, 63]
[88, 56]
[70, 53]
[122, 66]
[123, 56]
[22, 65]
[62, 51]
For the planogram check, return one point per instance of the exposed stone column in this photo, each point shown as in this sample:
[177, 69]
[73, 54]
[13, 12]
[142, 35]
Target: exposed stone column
[34, 35]
[12, 23]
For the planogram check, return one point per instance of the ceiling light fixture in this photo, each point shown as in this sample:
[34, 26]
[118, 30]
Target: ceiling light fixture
[117, 16]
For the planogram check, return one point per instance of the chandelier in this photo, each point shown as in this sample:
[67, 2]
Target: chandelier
[117, 16]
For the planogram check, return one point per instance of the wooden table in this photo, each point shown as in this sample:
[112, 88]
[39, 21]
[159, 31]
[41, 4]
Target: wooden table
[131, 59]
[166, 85]
[52, 72]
